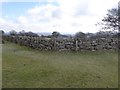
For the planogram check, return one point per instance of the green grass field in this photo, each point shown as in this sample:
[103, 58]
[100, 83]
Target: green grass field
[27, 68]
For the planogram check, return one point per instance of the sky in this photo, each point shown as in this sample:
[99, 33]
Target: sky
[64, 16]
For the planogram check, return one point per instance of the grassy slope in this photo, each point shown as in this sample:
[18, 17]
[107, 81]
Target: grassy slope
[25, 67]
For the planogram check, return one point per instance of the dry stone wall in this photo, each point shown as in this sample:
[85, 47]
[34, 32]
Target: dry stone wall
[65, 44]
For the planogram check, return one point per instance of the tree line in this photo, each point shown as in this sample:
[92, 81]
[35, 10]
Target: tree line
[55, 34]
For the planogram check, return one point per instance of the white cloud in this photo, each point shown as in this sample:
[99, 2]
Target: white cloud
[22, 19]
[68, 16]
[43, 13]
[2, 20]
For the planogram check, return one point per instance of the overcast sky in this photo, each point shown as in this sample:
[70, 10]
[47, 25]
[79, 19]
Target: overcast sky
[64, 16]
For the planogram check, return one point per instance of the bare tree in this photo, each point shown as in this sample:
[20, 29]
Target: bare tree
[111, 20]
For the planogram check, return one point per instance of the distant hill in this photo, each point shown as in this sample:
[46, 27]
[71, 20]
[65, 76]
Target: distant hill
[44, 33]
[49, 33]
